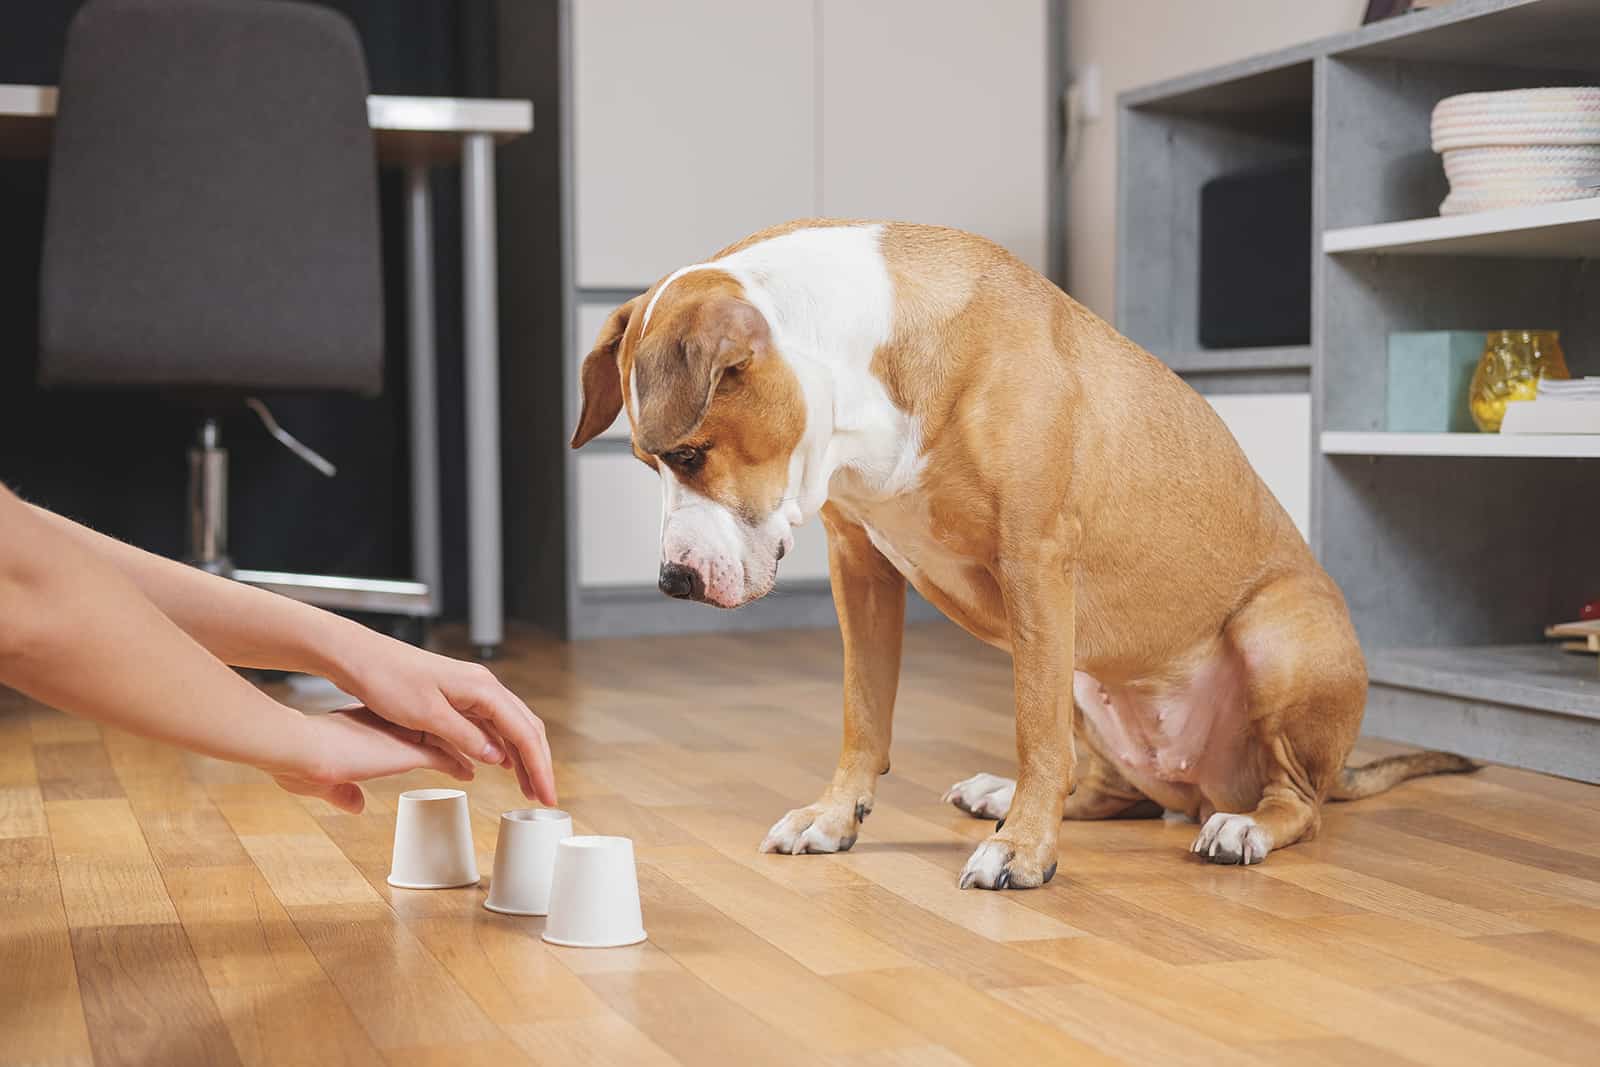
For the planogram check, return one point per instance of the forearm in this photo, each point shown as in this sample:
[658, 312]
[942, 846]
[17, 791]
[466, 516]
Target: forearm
[236, 623]
[77, 634]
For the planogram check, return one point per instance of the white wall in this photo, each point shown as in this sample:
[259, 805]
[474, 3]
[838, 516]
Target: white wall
[1135, 42]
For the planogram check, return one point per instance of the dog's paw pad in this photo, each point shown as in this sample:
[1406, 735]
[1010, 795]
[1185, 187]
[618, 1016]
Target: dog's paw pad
[983, 796]
[812, 829]
[1232, 839]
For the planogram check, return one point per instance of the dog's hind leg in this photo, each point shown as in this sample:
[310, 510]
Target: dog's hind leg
[1102, 792]
[1307, 687]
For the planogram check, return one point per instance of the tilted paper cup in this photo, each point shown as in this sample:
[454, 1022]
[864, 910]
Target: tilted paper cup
[433, 841]
[525, 860]
[594, 894]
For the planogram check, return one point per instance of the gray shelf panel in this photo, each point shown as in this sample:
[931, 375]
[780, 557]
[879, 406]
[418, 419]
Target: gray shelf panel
[1237, 360]
[1263, 85]
[1537, 34]
[1534, 34]
[1528, 676]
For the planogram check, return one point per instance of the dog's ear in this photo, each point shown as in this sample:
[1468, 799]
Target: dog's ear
[602, 382]
[678, 377]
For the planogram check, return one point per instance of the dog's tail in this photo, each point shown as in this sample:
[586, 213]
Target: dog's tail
[1386, 773]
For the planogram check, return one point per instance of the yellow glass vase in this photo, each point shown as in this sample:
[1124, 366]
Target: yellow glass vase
[1512, 364]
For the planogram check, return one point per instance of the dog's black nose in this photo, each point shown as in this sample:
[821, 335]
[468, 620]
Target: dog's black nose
[680, 582]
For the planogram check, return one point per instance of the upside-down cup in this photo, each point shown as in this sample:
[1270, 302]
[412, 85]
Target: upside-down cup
[525, 860]
[433, 841]
[594, 894]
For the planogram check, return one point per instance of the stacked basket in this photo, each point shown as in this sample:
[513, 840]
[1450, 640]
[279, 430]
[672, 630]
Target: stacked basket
[1525, 146]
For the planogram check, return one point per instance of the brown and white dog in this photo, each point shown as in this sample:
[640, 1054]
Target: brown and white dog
[963, 425]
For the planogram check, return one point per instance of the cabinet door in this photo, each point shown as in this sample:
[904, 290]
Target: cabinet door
[694, 124]
[937, 111]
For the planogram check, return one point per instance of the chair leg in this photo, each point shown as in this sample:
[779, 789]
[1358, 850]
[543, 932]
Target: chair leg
[208, 502]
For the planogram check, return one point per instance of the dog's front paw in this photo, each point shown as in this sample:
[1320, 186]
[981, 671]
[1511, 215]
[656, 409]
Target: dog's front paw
[983, 796]
[1001, 863]
[816, 828]
[1232, 839]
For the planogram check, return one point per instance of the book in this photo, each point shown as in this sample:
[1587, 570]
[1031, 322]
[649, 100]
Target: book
[1559, 407]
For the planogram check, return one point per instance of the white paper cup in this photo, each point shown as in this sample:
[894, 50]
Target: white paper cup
[433, 841]
[525, 860]
[594, 894]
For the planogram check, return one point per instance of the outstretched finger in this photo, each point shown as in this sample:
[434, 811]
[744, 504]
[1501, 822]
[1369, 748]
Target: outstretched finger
[462, 733]
[523, 729]
[455, 764]
[513, 761]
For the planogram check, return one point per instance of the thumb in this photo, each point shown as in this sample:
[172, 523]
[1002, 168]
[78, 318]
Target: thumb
[346, 796]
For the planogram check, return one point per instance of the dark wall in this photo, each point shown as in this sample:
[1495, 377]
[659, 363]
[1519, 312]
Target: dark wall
[117, 459]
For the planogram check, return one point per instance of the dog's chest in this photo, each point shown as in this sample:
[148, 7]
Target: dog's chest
[902, 529]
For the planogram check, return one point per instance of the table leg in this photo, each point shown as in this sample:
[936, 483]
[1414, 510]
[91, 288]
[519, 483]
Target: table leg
[485, 622]
[426, 553]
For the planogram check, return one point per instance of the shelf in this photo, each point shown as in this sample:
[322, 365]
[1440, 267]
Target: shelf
[1527, 676]
[1567, 230]
[1238, 360]
[1548, 446]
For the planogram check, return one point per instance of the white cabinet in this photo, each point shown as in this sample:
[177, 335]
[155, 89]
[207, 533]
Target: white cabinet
[938, 111]
[619, 527]
[697, 122]
[694, 124]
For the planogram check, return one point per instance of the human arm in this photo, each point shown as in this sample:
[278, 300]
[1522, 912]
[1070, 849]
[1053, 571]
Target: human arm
[76, 633]
[461, 703]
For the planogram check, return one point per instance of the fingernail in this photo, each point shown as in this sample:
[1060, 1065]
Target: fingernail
[492, 754]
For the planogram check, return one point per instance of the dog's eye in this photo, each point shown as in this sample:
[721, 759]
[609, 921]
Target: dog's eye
[687, 458]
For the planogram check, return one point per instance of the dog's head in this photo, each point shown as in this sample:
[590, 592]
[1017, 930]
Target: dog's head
[719, 413]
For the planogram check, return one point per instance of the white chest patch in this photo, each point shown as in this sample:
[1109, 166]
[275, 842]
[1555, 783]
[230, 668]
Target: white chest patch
[829, 301]
[828, 298]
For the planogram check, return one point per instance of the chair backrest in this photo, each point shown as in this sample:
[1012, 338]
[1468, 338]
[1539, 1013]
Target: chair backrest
[212, 219]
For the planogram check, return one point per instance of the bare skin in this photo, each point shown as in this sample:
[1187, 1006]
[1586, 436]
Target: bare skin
[106, 631]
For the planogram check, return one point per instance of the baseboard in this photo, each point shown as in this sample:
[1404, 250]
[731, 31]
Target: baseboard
[1531, 738]
[635, 611]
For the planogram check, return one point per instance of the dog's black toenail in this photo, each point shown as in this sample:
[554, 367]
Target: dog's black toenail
[1004, 881]
[862, 811]
[1000, 824]
[885, 769]
[1050, 872]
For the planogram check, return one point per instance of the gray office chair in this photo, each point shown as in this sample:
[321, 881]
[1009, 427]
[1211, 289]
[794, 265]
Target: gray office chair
[212, 225]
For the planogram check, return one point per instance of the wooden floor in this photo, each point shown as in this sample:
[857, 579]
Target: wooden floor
[162, 909]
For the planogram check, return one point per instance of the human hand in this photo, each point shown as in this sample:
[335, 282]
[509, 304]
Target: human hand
[459, 705]
[353, 744]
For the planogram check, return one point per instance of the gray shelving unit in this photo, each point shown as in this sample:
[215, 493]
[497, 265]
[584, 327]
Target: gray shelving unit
[1452, 563]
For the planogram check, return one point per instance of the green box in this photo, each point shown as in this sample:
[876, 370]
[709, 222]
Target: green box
[1430, 374]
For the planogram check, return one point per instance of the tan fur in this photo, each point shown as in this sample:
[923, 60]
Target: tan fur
[1372, 778]
[706, 376]
[1113, 527]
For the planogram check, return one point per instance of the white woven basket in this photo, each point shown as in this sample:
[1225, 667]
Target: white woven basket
[1524, 146]
[1567, 116]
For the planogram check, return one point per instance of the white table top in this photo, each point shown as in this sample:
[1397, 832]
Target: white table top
[407, 127]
